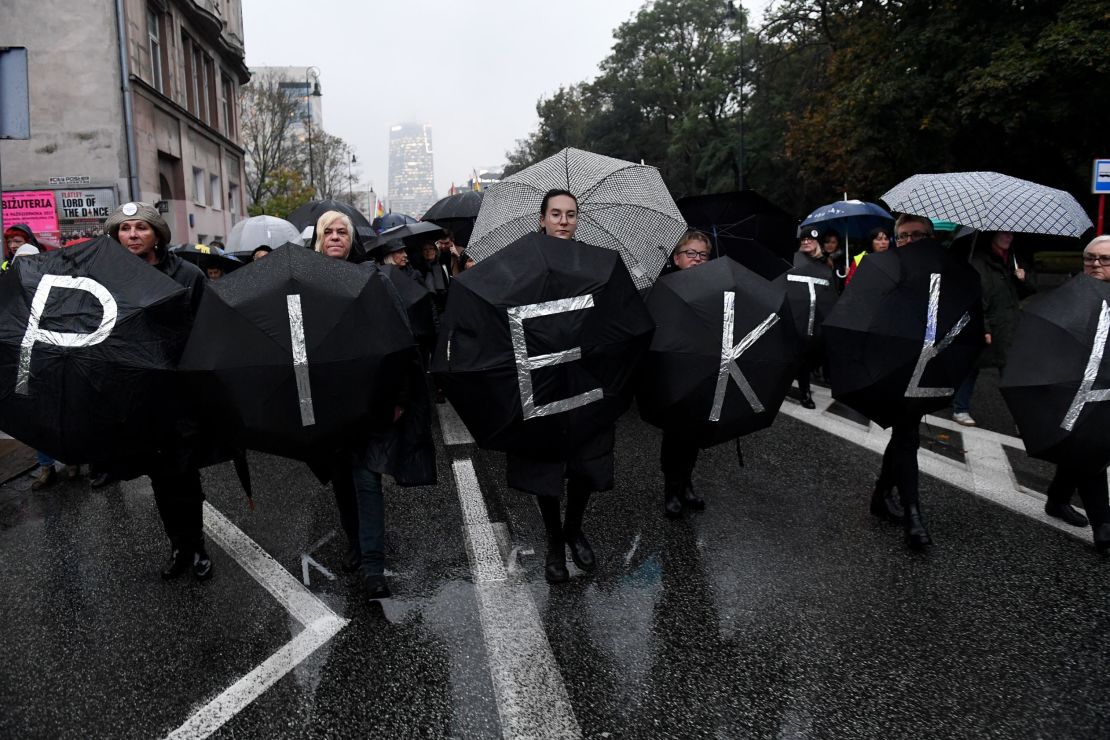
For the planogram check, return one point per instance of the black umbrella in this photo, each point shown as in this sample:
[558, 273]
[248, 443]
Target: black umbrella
[1058, 372]
[905, 333]
[413, 235]
[811, 291]
[306, 216]
[283, 352]
[89, 338]
[419, 302]
[204, 257]
[739, 220]
[538, 345]
[459, 205]
[389, 220]
[723, 355]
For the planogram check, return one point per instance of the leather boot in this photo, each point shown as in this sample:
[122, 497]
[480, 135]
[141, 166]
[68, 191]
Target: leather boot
[917, 535]
[691, 500]
[1066, 512]
[807, 401]
[202, 564]
[673, 495]
[580, 550]
[376, 587]
[555, 564]
[885, 505]
[181, 559]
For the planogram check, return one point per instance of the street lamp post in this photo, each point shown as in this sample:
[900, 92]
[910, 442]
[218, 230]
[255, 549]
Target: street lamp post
[350, 177]
[736, 19]
[312, 90]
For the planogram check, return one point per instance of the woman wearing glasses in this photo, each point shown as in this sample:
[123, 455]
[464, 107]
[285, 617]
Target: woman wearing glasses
[678, 454]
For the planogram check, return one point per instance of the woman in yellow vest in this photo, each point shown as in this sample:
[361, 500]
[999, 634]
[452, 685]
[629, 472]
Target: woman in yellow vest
[878, 241]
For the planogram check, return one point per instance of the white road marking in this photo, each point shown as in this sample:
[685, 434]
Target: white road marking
[632, 550]
[532, 700]
[308, 561]
[320, 625]
[986, 473]
[452, 426]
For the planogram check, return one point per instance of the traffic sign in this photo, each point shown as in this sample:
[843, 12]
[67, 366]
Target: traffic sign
[1100, 179]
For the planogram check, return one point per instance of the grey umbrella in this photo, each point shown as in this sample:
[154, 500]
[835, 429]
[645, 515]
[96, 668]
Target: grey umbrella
[622, 206]
[990, 201]
[256, 231]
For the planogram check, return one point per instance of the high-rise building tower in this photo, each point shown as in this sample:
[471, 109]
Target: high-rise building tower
[411, 177]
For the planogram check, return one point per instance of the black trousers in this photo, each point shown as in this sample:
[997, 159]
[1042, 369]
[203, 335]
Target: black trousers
[677, 457]
[180, 499]
[900, 460]
[343, 485]
[1092, 492]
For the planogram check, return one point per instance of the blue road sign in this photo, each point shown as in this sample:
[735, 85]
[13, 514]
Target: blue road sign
[1100, 179]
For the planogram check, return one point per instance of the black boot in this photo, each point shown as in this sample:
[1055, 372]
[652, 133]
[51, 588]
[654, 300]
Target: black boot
[580, 550]
[885, 505]
[807, 401]
[376, 587]
[1066, 512]
[917, 536]
[202, 565]
[672, 500]
[555, 563]
[181, 560]
[691, 500]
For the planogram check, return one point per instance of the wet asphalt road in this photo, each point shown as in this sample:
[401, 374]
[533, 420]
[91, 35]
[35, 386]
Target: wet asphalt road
[784, 610]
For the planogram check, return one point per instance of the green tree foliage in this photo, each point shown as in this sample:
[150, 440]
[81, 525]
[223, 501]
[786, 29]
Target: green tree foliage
[846, 95]
[288, 191]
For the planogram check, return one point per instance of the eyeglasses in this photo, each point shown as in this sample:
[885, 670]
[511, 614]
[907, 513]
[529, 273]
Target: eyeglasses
[907, 235]
[692, 254]
[1097, 259]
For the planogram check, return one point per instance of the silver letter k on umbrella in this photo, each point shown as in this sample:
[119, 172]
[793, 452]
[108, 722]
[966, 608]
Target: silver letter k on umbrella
[731, 353]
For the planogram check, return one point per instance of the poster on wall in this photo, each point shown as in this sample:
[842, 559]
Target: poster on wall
[82, 213]
[36, 209]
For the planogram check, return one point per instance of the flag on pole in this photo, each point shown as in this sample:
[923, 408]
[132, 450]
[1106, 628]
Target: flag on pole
[379, 211]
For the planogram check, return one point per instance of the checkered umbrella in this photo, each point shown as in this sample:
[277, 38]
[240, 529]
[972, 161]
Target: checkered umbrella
[622, 206]
[991, 202]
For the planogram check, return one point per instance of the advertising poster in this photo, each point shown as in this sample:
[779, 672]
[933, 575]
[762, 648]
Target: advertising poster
[82, 213]
[38, 210]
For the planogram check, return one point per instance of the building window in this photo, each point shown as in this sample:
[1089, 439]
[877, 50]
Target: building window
[190, 78]
[233, 198]
[199, 184]
[200, 88]
[217, 192]
[209, 92]
[154, 35]
[227, 103]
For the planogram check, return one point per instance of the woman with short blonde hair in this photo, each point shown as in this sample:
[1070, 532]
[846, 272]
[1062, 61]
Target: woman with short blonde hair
[332, 219]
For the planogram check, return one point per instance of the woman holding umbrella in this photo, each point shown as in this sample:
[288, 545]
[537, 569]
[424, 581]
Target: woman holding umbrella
[589, 469]
[357, 468]
[810, 248]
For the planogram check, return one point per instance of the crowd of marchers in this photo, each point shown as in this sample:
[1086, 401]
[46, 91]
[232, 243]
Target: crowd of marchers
[562, 487]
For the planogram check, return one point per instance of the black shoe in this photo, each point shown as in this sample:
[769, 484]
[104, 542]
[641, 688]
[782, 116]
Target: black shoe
[180, 562]
[807, 401]
[202, 565]
[691, 500]
[376, 587]
[1065, 512]
[101, 479]
[555, 564]
[352, 559]
[1102, 537]
[581, 552]
[917, 535]
[885, 505]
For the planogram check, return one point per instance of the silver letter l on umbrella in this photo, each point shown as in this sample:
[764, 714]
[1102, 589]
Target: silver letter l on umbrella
[730, 354]
[1086, 393]
[931, 349]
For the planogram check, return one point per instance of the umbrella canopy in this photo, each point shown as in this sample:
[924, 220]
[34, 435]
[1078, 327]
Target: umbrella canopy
[389, 220]
[89, 339]
[538, 345]
[621, 206]
[811, 292]
[418, 301]
[460, 205]
[1058, 372]
[281, 353]
[204, 257]
[853, 219]
[905, 333]
[723, 354]
[990, 201]
[306, 216]
[257, 231]
[412, 235]
[738, 219]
